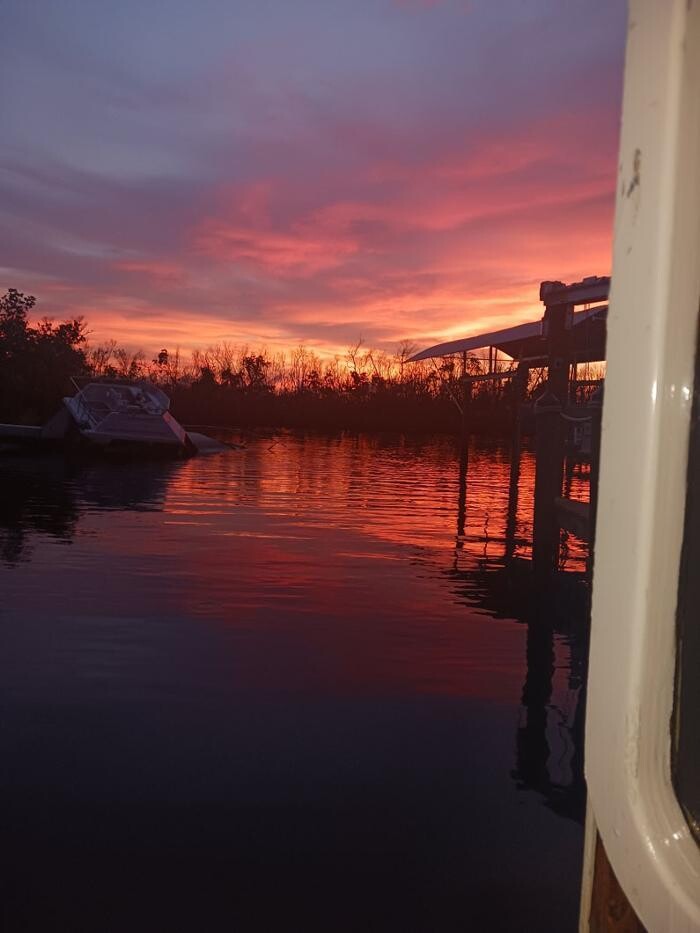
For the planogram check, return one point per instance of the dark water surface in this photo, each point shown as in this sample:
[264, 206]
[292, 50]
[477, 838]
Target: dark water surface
[283, 689]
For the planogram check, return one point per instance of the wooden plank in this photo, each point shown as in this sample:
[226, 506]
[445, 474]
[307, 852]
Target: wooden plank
[611, 912]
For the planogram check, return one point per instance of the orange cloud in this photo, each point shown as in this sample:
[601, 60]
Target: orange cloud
[423, 249]
[299, 252]
[160, 271]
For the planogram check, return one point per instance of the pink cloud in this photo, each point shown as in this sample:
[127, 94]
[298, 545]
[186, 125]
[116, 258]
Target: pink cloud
[463, 236]
[418, 245]
[299, 252]
[243, 231]
[158, 271]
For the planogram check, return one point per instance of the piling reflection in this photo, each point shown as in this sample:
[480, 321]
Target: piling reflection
[35, 499]
[550, 738]
[550, 735]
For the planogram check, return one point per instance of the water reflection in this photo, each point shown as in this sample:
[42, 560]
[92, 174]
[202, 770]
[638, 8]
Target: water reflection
[48, 495]
[35, 500]
[549, 742]
[285, 660]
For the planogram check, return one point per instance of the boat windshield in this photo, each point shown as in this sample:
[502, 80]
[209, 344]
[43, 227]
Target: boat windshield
[102, 399]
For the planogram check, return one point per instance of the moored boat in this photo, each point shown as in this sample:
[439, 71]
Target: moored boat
[114, 416]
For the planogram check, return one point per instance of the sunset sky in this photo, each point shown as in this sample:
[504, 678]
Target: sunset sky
[277, 172]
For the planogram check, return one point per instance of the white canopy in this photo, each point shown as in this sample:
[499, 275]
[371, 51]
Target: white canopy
[510, 340]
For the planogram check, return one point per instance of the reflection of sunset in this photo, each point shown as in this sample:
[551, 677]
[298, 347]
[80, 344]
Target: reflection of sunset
[354, 484]
[341, 551]
[295, 632]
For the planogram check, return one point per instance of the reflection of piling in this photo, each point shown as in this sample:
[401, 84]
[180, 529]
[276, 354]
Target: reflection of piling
[577, 796]
[462, 495]
[532, 745]
[549, 457]
[463, 457]
[519, 388]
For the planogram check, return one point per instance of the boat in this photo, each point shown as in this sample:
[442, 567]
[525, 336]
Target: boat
[116, 416]
[641, 858]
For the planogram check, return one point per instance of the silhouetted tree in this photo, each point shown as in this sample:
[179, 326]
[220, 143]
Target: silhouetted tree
[233, 385]
[37, 361]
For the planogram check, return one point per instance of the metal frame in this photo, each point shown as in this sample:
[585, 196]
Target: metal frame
[652, 326]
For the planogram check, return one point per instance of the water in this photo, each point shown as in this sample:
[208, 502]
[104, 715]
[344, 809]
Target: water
[286, 688]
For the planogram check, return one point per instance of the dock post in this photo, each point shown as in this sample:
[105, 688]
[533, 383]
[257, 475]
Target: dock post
[550, 434]
[557, 325]
[549, 466]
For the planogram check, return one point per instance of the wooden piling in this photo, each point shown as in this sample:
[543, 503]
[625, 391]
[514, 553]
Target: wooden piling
[550, 433]
[557, 325]
[465, 405]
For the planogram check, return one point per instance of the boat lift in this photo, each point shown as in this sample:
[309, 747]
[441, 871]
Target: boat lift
[561, 340]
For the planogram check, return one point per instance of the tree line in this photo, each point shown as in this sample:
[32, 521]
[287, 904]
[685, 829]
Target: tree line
[235, 386]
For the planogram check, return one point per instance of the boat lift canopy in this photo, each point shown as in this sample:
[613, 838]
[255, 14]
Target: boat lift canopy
[527, 341]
